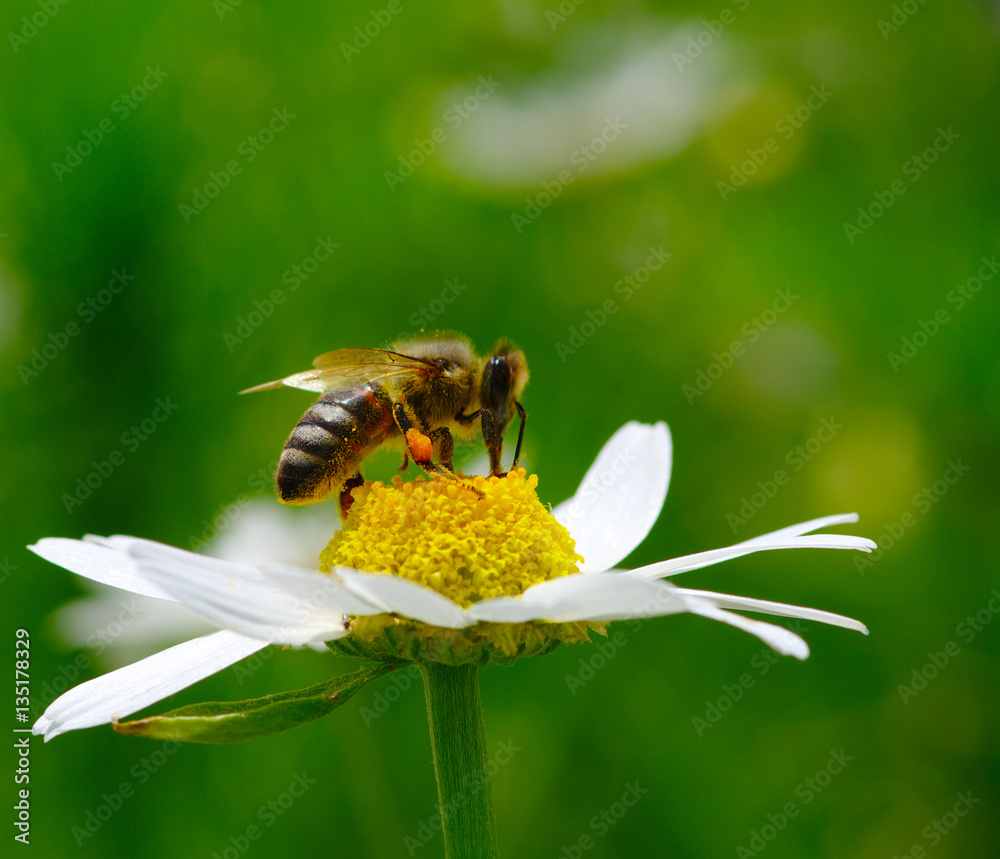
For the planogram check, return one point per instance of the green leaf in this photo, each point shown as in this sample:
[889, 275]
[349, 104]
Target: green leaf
[236, 721]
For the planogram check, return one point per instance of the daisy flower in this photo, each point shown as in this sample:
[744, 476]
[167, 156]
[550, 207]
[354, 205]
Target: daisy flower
[448, 575]
[430, 572]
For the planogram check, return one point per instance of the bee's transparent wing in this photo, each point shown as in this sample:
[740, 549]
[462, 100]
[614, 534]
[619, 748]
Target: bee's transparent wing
[349, 368]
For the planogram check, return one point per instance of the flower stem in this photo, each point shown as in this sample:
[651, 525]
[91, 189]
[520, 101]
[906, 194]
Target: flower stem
[458, 741]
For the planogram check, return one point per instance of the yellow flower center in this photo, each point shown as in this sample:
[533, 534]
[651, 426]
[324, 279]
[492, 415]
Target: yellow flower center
[468, 540]
[469, 544]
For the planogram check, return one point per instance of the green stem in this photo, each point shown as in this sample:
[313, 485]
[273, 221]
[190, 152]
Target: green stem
[458, 740]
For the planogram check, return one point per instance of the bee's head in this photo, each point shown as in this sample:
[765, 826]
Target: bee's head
[504, 377]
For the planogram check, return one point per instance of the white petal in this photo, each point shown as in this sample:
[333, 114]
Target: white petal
[312, 587]
[784, 641]
[128, 546]
[123, 692]
[599, 596]
[716, 556]
[620, 497]
[804, 527]
[98, 562]
[405, 597]
[241, 597]
[776, 608]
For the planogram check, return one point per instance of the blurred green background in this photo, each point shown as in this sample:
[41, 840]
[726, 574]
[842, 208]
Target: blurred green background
[113, 120]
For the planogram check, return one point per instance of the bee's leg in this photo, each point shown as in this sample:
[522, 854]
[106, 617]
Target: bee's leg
[493, 439]
[520, 432]
[421, 447]
[349, 486]
[406, 461]
[442, 435]
[422, 453]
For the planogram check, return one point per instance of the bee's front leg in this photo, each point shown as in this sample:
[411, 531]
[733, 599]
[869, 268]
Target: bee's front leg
[520, 433]
[492, 437]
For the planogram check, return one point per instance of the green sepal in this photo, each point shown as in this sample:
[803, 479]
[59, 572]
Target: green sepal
[387, 638]
[236, 721]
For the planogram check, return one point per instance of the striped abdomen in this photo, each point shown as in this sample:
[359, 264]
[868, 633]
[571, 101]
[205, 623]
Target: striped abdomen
[327, 446]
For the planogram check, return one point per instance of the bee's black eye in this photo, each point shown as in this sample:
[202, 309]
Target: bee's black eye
[497, 381]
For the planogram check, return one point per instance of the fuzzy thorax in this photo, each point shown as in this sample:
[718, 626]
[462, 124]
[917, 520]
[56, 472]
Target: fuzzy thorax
[468, 540]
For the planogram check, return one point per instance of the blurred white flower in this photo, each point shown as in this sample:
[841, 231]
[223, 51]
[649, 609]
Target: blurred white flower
[527, 132]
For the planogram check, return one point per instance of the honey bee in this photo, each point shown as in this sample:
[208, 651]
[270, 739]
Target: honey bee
[419, 391]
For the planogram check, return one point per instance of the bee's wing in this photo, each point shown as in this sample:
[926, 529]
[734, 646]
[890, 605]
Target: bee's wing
[349, 368]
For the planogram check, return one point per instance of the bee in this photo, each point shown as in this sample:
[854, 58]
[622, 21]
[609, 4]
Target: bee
[419, 392]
